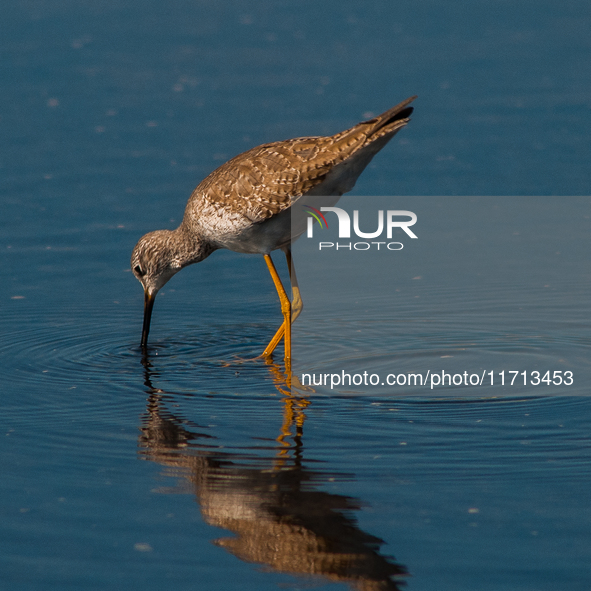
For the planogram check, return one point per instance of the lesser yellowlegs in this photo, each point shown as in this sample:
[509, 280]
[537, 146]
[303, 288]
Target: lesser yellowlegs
[246, 205]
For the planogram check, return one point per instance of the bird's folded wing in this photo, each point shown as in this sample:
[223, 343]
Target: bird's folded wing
[264, 181]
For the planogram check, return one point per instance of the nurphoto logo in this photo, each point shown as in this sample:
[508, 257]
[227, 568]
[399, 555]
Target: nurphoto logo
[394, 218]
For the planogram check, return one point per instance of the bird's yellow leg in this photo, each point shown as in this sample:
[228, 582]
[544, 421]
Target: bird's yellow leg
[297, 305]
[286, 311]
[274, 341]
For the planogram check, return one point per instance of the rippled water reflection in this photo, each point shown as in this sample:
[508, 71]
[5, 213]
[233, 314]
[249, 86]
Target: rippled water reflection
[352, 489]
[269, 495]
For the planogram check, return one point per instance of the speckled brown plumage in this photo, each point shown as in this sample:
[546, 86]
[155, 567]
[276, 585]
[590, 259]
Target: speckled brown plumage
[246, 204]
[265, 181]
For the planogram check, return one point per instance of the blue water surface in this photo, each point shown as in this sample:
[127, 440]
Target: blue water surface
[196, 467]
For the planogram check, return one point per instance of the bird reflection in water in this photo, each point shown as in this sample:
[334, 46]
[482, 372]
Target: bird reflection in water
[273, 505]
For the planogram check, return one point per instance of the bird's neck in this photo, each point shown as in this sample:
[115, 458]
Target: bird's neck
[189, 247]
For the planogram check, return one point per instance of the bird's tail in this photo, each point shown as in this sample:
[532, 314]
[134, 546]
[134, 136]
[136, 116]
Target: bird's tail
[369, 132]
[391, 120]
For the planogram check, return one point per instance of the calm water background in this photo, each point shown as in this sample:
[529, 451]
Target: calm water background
[183, 470]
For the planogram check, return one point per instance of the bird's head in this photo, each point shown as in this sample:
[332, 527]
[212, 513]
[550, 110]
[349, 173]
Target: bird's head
[154, 261]
[160, 255]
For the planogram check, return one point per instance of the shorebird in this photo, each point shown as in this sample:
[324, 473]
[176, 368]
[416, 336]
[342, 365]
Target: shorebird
[253, 204]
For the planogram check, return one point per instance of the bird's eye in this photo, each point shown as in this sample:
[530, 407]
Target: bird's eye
[139, 271]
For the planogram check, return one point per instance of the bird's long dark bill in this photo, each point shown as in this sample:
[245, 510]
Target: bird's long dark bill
[148, 305]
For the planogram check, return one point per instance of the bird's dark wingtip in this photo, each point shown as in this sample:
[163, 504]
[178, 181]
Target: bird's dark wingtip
[397, 113]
